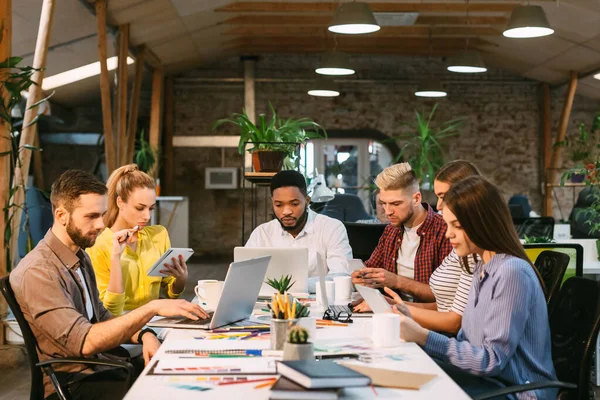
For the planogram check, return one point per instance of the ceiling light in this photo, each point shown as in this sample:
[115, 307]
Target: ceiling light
[335, 64]
[77, 74]
[467, 62]
[597, 76]
[323, 87]
[430, 88]
[528, 22]
[354, 19]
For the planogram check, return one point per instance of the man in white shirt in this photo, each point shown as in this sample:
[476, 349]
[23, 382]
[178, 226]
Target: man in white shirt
[298, 226]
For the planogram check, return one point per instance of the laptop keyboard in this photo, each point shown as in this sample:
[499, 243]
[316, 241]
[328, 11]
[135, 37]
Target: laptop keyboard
[201, 321]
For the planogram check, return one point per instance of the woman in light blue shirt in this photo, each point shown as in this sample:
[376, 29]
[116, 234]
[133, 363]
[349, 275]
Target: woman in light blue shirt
[505, 333]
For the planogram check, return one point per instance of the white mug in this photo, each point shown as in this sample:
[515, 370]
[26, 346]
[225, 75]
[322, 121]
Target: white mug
[386, 330]
[212, 292]
[343, 289]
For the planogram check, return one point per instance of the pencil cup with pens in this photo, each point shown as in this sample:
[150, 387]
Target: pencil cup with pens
[284, 315]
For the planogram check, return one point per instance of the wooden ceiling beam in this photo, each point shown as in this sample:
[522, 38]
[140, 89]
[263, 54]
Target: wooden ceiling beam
[324, 20]
[458, 6]
[242, 50]
[394, 31]
[357, 42]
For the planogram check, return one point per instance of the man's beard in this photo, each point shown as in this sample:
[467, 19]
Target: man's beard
[299, 222]
[411, 213]
[78, 237]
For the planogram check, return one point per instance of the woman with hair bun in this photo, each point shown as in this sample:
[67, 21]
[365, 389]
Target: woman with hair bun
[128, 247]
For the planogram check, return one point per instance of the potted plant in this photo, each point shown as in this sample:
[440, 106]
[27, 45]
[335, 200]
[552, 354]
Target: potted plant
[422, 147]
[273, 139]
[146, 157]
[297, 346]
[583, 150]
[281, 285]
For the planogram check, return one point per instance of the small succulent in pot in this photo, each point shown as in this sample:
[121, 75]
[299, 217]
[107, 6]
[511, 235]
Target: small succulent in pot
[298, 335]
[282, 284]
[298, 347]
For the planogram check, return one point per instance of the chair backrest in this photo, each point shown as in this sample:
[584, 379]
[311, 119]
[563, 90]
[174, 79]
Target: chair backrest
[574, 325]
[346, 207]
[538, 227]
[363, 238]
[37, 383]
[552, 266]
[573, 250]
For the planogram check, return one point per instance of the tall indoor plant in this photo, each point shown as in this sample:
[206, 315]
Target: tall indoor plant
[422, 148]
[272, 139]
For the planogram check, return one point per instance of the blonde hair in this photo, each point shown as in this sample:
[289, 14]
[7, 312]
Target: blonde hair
[121, 183]
[397, 177]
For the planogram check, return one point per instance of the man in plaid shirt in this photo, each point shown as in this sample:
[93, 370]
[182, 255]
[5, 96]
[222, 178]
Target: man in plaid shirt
[412, 245]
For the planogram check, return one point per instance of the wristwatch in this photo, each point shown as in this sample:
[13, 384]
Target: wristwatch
[142, 332]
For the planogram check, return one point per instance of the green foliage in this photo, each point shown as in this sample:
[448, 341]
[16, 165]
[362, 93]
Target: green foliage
[422, 148]
[538, 239]
[14, 80]
[146, 157]
[585, 152]
[282, 284]
[298, 335]
[301, 310]
[273, 130]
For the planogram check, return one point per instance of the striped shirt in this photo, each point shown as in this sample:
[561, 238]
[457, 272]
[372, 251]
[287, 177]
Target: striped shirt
[450, 284]
[505, 332]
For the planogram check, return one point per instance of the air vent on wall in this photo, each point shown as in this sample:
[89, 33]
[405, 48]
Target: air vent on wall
[395, 19]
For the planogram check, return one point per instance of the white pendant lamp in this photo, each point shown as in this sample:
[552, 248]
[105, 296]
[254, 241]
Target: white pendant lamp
[430, 87]
[467, 62]
[335, 64]
[528, 22]
[323, 87]
[354, 19]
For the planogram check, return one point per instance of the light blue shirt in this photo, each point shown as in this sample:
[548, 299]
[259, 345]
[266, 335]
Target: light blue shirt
[505, 332]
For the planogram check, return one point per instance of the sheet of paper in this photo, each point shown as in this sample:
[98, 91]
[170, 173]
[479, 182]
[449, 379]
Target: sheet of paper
[392, 378]
[215, 366]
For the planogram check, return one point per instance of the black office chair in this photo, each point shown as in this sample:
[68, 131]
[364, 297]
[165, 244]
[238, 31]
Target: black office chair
[363, 238]
[552, 266]
[574, 325]
[534, 227]
[346, 207]
[36, 367]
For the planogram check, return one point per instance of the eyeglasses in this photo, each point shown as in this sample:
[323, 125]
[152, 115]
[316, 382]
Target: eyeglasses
[342, 316]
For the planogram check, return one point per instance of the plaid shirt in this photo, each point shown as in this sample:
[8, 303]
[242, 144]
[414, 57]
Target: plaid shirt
[433, 248]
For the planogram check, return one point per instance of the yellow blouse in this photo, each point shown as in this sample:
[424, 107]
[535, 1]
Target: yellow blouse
[153, 241]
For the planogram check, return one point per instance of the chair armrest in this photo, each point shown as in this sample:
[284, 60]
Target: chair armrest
[88, 361]
[524, 388]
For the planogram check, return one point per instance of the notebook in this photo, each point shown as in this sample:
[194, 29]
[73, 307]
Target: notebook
[321, 374]
[284, 389]
[393, 379]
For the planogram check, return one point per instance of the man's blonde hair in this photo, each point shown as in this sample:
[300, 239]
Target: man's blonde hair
[398, 177]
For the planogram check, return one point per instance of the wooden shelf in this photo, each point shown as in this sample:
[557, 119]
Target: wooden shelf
[568, 184]
[259, 178]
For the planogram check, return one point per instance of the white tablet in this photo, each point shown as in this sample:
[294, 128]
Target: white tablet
[374, 299]
[166, 259]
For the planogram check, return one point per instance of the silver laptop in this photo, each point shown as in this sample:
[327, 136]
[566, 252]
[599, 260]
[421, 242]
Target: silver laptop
[241, 287]
[284, 261]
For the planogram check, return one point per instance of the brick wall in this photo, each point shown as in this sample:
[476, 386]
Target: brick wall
[500, 132]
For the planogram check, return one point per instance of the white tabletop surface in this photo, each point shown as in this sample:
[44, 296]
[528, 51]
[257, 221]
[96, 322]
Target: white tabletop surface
[405, 357]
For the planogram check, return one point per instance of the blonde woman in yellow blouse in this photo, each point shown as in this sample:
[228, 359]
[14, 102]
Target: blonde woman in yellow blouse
[121, 264]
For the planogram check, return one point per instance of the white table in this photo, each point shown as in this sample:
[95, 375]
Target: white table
[414, 359]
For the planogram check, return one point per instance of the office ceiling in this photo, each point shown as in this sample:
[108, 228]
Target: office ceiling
[188, 33]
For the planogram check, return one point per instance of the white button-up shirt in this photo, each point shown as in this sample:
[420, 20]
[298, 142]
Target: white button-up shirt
[321, 234]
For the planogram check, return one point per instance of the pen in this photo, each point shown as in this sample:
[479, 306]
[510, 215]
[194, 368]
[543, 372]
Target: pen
[246, 381]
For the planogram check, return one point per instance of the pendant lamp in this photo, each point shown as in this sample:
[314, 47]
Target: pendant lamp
[323, 87]
[528, 22]
[430, 87]
[354, 19]
[335, 64]
[467, 62]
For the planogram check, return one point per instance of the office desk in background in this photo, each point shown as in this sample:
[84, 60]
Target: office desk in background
[172, 212]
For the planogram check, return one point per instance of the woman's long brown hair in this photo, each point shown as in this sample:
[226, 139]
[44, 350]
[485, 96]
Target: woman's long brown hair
[121, 183]
[451, 173]
[483, 214]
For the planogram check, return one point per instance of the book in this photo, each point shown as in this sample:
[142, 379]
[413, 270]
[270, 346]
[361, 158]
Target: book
[284, 389]
[321, 374]
[391, 378]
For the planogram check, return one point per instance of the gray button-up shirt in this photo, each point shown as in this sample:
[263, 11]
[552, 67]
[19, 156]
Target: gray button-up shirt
[52, 299]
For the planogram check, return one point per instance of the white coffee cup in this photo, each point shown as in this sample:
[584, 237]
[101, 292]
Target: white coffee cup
[386, 330]
[330, 293]
[310, 324]
[343, 288]
[209, 291]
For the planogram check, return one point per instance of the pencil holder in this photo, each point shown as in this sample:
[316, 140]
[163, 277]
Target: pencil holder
[279, 332]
